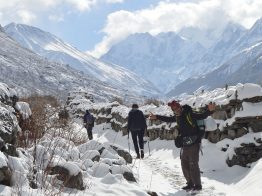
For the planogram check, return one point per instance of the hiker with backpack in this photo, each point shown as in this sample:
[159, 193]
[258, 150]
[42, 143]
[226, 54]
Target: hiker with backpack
[137, 126]
[189, 139]
[89, 121]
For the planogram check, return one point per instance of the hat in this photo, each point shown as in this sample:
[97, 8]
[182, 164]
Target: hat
[174, 104]
[134, 106]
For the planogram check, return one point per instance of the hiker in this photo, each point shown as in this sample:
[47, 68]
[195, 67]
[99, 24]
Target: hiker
[191, 136]
[137, 126]
[89, 121]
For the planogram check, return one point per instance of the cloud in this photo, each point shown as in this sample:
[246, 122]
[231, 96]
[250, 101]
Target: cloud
[82, 5]
[173, 16]
[26, 16]
[56, 18]
[28, 11]
[114, 1]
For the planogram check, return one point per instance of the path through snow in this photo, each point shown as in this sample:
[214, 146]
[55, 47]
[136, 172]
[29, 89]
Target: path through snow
[161, 171]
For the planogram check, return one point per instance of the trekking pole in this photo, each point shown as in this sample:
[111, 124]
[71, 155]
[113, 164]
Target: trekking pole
[148, 140]
[128, 143]
[148, 146]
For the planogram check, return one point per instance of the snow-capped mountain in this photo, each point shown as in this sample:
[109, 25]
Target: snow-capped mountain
[30, 73]
[179, 58]
[54, 49]
[244, 67]
[250, 38]
[240, 58]
[207, 37]
[222, 49]
[163, 59]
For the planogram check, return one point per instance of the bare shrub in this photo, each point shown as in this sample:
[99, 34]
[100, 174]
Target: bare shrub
[34, 127]
[46, 120]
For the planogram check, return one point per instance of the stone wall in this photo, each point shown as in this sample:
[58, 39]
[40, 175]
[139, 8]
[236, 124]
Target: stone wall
[167, 131]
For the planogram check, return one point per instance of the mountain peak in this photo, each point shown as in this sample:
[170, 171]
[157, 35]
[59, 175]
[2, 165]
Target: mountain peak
[1, 29]
[170, 35]
[257, 27]
[140, 36]
[233, 27]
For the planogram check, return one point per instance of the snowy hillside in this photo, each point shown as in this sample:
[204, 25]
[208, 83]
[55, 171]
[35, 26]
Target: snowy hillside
[164, 59]
[245, 67]
[29, 73]
[54, 49]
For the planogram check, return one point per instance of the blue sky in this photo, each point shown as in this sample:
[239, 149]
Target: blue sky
[95, 25]
[83, 29]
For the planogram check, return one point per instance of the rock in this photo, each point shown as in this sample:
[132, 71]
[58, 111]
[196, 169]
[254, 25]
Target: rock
[256, 126]
[259, 140]
[152, 193]
[5, 176]
[9, 125]
[96, 158]
[223, 135]
[220, 115]
[246, 154]
[2, 143]
[10, 150]
[69, 181]
[240, 132]
[122, 153]
[129, 176]
[213, 136]
[231, 134]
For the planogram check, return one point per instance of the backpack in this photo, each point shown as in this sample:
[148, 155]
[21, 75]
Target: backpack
[201, 127]
[89, 119]
[190, 140]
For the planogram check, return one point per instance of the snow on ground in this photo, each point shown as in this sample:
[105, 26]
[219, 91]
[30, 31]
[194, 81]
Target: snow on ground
[161, 170]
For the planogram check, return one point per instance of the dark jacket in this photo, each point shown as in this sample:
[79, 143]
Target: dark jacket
[89, 119]
[136, 120]
[187, 121]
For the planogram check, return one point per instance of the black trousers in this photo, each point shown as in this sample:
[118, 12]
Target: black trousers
[140, 135]
[89, 132]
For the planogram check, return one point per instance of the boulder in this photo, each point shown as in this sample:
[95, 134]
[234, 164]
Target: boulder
[122, 153]
[5, 176]
[70, 181]
[129, 176]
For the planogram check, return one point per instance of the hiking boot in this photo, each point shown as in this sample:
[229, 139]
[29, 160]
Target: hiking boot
[142, 154]
[137, 156]
[188, 187]
[197, 188]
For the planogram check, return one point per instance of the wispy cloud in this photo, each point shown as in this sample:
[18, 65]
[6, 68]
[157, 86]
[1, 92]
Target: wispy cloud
[56, 18]
[82, 5]
[114, 1]
[26, 16]
[172, 16]
[27, 11]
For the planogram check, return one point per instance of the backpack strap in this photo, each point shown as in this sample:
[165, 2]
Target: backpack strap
[189, 119]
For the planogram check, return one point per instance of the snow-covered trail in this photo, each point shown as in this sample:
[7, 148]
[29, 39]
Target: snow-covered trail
[161, 170]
